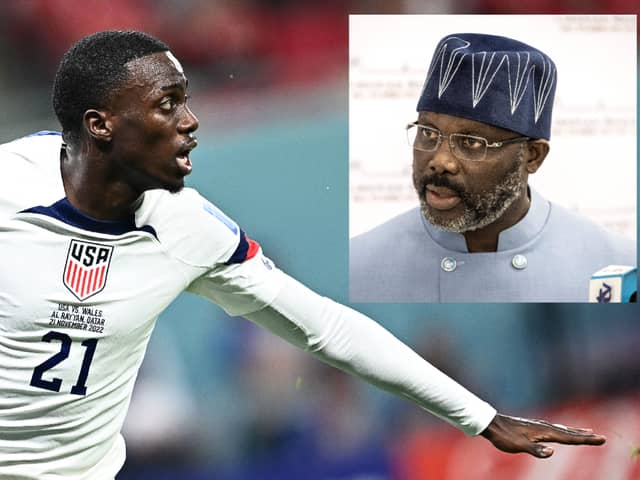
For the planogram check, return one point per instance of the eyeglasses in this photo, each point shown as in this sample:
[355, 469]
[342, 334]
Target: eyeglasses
[464, 147]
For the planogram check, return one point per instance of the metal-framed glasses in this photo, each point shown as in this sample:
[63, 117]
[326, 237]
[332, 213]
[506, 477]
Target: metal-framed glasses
[462, 146]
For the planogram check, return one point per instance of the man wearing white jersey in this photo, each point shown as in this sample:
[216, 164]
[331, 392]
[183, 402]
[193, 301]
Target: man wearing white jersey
[98, 236]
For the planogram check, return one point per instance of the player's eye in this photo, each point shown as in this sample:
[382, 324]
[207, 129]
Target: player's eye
[168, 104]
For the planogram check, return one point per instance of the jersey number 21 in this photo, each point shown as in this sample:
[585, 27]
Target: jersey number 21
[65, 345]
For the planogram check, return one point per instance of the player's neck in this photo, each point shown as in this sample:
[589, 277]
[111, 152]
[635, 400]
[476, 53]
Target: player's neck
[88, 188]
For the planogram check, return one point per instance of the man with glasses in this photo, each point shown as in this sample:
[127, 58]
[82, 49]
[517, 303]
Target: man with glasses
[481, 233]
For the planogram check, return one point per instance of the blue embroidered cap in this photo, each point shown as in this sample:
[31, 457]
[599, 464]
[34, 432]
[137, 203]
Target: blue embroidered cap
[494, 80]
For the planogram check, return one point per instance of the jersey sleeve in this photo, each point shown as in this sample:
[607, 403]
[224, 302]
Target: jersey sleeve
[247, 282]
[339, 336]
[190, 228]
[31, 172]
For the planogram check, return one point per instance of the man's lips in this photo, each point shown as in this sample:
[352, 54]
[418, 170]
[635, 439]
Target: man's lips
[441, 198]
[182, 158]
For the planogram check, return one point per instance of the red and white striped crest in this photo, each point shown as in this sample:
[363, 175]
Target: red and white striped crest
[86, 268]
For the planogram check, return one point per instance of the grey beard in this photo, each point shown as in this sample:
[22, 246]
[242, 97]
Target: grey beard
[482, 209]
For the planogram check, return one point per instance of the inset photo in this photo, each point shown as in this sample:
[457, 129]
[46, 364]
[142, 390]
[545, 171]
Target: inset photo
[492, 158]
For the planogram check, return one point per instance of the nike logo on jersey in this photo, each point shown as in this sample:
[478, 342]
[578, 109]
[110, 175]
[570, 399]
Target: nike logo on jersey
[86, 268]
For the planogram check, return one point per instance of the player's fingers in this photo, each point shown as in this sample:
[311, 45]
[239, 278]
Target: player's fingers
[568, 438]
[576, 439]
[549, 432]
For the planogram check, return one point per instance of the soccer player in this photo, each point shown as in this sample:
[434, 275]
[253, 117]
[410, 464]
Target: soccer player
[98, 236]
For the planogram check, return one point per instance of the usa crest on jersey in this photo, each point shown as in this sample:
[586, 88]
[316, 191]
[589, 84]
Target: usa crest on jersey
[86, 268]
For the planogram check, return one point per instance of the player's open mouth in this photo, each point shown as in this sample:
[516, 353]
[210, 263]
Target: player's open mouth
[441, 198]
[184, 164]
[182, 159]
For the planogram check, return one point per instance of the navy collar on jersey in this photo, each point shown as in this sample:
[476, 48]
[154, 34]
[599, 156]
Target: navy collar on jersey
[67, 213]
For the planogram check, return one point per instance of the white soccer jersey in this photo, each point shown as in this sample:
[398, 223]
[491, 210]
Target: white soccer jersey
[79, 298]
[78, 301]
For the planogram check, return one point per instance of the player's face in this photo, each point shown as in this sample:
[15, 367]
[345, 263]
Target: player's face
[152, 125]
[461, 195]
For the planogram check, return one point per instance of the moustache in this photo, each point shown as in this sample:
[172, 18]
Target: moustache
[440, 181]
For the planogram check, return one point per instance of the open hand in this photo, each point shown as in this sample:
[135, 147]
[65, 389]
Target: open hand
[515, 435]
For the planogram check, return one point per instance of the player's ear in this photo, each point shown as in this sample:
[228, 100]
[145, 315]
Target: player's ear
[98, 124]
[536, 152]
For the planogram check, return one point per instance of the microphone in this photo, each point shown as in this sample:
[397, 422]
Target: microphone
[614, 284]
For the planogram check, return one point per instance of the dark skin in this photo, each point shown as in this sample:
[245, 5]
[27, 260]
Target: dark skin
[131, 145]
[135, 144]
[478, 177]
[522, 435]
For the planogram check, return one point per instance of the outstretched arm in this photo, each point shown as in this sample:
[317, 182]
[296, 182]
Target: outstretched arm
[522, 435]
[358, 345]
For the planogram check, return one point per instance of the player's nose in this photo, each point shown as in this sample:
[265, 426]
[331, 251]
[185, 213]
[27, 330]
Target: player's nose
[189, 122]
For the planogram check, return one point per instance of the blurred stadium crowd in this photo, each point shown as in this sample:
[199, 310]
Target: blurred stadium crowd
[219, 399]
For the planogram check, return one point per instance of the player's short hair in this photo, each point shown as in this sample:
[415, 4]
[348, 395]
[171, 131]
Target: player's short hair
[92, 70]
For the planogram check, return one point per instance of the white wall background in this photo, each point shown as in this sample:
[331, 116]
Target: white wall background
[592, 164]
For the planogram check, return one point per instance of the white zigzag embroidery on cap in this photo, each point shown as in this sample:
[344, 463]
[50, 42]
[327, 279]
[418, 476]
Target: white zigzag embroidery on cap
[480, 85]
[448, 60]
[547, 79]
[453, 63]
[520, 82]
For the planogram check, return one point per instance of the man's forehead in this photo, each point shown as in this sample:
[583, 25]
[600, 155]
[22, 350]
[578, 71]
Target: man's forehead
[156, 70]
